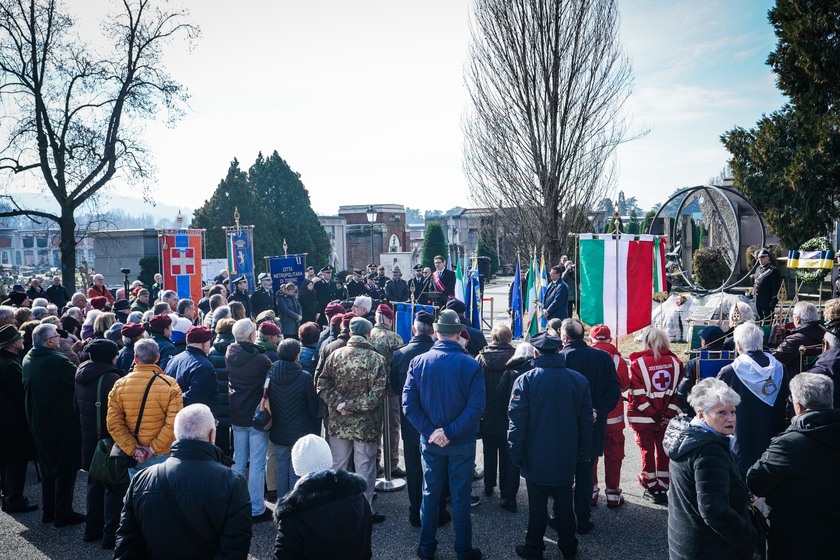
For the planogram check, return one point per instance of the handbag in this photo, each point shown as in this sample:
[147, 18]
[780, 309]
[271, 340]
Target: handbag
[103, 467]
[120, 457]
[262, 415]
[762, 530]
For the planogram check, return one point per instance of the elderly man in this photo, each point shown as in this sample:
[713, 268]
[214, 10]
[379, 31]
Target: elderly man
[396, 289]
[49, 384]
[444, 398]
[57, 293]
[141, 302]
[147, 438]
[157, 286]
[193, 371]
[170, 297]
[550, 434]
[193, 495]
[362, 307]
[828, 363]
[386, 342]
[247, 368]
[762, 383]
[352, 384]
[598, 368]
[807, 453]
[98, 289]
[808, 331]
[79, 301]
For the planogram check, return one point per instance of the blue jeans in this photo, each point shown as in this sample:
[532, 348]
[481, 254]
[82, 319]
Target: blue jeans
[286, 477]
[251, 444]
[154, 460]
[457, 463]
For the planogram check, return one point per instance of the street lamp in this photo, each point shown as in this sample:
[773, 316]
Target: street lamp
[371, 218]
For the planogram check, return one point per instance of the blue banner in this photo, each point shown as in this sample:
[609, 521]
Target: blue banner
[474, 299]
[405, 318]
[516, 303]
[240, 254]
[291, 268]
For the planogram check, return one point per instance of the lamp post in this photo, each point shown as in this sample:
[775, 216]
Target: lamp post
[371, 218]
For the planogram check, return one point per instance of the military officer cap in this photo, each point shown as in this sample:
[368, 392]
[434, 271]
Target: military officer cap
[240, 279]
[396, 269]
[418, 267]
[546, 343]
[762, 253]
[308, 268]
[327, 268]
[357, 271]
[264, 276]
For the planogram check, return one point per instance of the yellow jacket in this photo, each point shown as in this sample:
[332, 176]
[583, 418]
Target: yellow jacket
[157, 428]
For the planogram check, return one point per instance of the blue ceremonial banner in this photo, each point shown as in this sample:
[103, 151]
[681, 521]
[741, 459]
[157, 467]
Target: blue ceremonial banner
[291, 268]
[405, 318]
[474, 299]
[516, 303]
[240, 253]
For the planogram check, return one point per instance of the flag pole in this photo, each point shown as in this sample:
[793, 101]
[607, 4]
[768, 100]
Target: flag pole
[616, 233]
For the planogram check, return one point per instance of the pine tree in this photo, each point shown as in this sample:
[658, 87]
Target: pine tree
[433, 244]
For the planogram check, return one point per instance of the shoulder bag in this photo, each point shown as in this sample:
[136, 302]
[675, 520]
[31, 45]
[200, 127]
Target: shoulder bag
[103, 467]
[262, 415]
[120, 457]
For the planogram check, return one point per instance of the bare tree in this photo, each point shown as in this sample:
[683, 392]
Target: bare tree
[547, 80]
[73, 115]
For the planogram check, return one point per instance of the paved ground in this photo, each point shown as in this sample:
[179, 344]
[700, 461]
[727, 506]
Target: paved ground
[635, 531]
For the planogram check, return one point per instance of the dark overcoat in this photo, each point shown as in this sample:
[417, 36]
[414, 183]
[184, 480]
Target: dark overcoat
[87, 381]
[18, 446]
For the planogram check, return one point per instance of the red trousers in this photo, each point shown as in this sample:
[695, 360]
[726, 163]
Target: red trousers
[613, 456]
[654, 459]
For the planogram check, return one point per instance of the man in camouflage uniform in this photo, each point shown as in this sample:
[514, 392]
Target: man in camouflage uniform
[386, 342]
[352, 384]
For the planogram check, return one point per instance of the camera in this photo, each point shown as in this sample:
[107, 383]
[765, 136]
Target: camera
[125, 270]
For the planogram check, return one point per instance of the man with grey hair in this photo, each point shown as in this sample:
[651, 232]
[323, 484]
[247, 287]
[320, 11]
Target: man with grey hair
[39, 313]
[192, 494]
[170, 297]
[247, 368]
[98, 289]
[828, 363]
[361, 307]
[598, 368]
[7, 315]
[151, 440]
[49, 389]
[79, 301]
[797, 471]
[807, 332]
[761, 382]
[57, 293]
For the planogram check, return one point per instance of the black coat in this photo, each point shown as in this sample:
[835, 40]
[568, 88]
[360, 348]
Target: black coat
[289, 312]
[829, 364]
[213, 497]
[493, 360]
[58, 295]
[807, 454]
[396, 289]
[810, 334]
[294, 404]
[550, 422]
[167, 350]
[308, 304]
[87, 380]
[247, 368]
[222, 412]
[496, 417]
[399, 372]
[707, 498]
[18, 446]
[261, 300]
[556, 300]
[598, 368]
[196, 376]
[326, 516]
[243, 298]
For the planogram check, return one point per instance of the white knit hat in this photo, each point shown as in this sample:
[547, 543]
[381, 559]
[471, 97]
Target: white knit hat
[311, 454]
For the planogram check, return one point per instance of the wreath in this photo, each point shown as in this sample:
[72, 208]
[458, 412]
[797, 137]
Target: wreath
[811, 275]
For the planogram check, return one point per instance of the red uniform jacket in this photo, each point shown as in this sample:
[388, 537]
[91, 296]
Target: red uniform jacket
[615, 419]
[653, 385]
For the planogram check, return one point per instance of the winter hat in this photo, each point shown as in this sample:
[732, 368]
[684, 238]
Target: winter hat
[360, 326]
[425, 317]
[269, 329]
[198, 335]
[448, 322]
[102, 350]
[333, 308]
[17, 298]
[160, 322]
[457, 306]
[601, 333]
[114, 333]
[132, 330]
[8, 334]
[386, 311]
[122, 305]
[311, 454]
[98, 302]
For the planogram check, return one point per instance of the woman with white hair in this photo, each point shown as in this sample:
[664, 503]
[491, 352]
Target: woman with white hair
[708, 506]
[761, 382]
[808, 331]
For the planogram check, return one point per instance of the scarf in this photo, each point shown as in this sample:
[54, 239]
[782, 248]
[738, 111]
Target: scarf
[763, 382]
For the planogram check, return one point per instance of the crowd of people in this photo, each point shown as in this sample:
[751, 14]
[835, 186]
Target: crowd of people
[182, 389]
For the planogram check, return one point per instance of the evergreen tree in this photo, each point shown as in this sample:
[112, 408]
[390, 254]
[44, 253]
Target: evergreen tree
[647, 221]
[633, 226]
[487, 247]
[433, 244]
[271, 197]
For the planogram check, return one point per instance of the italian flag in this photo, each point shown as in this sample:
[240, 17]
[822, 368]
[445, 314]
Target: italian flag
[531, 319]
[617, 280]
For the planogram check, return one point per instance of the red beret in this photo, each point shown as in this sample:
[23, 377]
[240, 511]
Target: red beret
[160, 322]
[197, 335]
[465, 334]
[386, 310]
[98, 302]
[269, 329]
[335, 320]
[346, 318]
[333, 308]
[601, 333]
[132, 330]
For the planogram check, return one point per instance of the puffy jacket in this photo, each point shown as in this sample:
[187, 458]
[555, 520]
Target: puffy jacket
[294, 404]
[157, 428]
[707, 498]
[167, 350]
[87, 380]
[308, 358]
[217, 359]
[246, 369]
[213, 497]
[653, 389]
[493, 360]
[325, 516]
[195, 375]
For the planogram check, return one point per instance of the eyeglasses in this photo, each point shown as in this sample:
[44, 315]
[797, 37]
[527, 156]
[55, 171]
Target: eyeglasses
[217, 423]
[53, 336]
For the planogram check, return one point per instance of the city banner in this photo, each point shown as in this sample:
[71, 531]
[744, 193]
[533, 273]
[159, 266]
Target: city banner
[291, 268]
[240, 253]
[404, 317]
[180, 259]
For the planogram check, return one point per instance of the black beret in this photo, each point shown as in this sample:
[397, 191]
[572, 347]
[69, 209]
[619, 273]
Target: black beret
[102, 350]
[457, 306]
[425, 317]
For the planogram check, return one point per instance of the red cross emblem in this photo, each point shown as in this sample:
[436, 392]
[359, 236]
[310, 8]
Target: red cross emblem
[182, 261]
[661, 380]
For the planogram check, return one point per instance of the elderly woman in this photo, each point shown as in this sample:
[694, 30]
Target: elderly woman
[761, 382]
[103, 324]
[655, 374]
[708, 506]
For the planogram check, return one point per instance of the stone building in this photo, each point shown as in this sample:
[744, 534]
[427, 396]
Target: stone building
[387, 234]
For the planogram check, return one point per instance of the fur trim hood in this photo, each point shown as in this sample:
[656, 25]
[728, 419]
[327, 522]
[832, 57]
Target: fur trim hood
[319, 489]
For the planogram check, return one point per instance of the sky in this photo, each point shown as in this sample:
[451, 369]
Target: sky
[365, 99]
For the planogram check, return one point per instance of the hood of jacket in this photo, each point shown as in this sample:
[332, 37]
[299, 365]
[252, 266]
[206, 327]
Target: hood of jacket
[682, 437]
[520, 362]
[496, 356]
[284, 372]
[222, 341]
[820, 425]
[90, 371]
[240, 353]
[201, 450]
[321, 491]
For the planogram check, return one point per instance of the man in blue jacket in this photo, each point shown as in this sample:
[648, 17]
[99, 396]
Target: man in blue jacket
[193, 370]
[443, 399]
[550, 431]
[556, 300]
